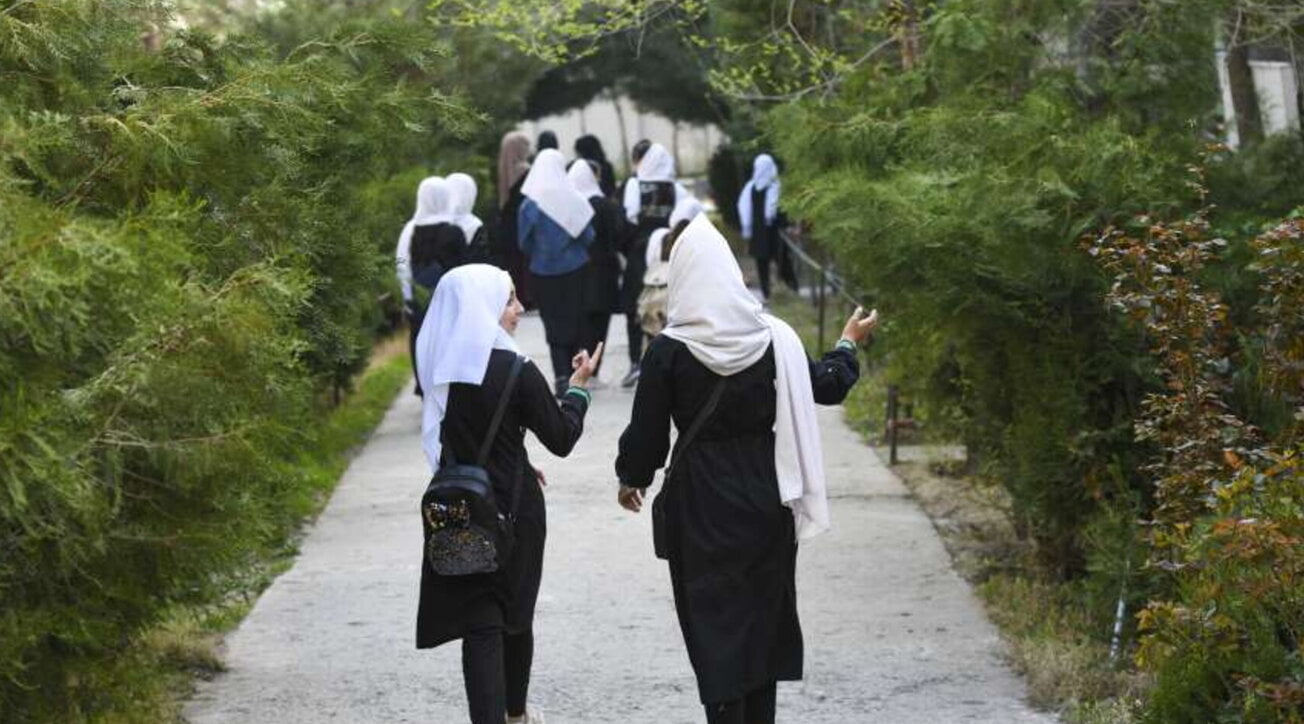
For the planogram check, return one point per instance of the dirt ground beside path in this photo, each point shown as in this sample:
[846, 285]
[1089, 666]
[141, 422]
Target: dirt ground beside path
[893, 635]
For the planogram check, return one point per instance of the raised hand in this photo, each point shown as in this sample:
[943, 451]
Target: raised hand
[860, 327]
[585, 365]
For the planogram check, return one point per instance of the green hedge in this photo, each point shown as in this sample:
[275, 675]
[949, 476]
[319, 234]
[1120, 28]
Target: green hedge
[189, 265]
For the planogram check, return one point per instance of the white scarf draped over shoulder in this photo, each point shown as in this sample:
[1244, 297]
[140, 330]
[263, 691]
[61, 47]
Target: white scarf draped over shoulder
[713, 313]
[464, 195]
[462, 327]
[549, 187]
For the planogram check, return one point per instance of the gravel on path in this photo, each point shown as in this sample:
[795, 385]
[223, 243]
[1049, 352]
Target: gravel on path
[893, 635]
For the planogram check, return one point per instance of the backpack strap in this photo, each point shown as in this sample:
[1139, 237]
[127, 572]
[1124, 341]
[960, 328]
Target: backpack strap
[503, 402]
[697, 425]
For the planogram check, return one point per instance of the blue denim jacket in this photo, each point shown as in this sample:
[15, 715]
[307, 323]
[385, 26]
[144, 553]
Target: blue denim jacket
[552, 251]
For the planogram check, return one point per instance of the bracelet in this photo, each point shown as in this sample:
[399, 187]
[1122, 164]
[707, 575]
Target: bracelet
[846, 344]
[588, 398]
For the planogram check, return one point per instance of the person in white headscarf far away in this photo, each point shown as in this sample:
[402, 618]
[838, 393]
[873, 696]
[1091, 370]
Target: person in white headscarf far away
[748, 485]
[429, 211]
[465, 353]
[758, 215]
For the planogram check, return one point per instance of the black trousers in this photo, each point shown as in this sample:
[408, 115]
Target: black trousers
[496, 671]
[634, 330]
[755, 708]
[414, 316]
[561, 365]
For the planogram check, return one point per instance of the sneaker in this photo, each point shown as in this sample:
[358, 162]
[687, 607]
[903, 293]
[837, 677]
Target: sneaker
[631, 379]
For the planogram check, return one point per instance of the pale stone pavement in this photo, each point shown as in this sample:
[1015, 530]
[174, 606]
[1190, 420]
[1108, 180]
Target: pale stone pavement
[893, 635]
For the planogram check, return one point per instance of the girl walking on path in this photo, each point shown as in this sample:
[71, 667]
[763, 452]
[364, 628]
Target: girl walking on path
[648, 205]
[555, 228]
[465, 353]
[758, 213]
[428, 246]
[602, 282]
[513, 165]
[748, 485]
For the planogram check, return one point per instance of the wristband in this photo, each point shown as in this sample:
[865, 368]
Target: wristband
[588, 398]
[846, 344]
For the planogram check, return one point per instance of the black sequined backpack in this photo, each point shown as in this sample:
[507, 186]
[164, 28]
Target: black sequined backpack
[465, 531]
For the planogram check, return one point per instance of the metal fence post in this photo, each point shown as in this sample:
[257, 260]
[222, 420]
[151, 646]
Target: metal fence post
[892, 424]
[824, 277]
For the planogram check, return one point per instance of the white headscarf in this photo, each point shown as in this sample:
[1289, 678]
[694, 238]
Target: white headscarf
[582, 178]
[548, 186]
[686, 210]
[657, 164]
[460, 330]
[765, 177]
[434, 205]
[711, 311]
[464, 193]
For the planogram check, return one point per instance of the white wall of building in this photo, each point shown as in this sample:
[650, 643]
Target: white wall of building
[1277, 86]
[692, 145]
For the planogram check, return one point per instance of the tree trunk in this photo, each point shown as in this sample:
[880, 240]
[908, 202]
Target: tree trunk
[624, 135]
[1240, 80]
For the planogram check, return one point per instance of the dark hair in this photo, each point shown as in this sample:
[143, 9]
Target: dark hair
[668, 243]
[589, 147]
[547, 139]
[640, 150]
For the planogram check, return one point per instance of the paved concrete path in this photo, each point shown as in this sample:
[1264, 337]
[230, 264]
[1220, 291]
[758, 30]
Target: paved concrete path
[893, 635]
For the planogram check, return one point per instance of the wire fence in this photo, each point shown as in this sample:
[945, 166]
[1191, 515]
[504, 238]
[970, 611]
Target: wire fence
[823, 282]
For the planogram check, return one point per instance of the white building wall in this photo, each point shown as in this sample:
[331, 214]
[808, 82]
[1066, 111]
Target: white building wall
[692, 145]
[1277, 87]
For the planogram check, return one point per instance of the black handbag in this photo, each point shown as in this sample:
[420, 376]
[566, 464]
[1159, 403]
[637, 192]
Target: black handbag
[465, 531]
[660, 536]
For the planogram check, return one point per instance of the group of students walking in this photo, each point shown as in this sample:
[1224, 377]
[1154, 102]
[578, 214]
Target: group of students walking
[745, 480]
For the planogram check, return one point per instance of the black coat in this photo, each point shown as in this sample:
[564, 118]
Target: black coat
[602, 285]
[731, 542]
[452, 605]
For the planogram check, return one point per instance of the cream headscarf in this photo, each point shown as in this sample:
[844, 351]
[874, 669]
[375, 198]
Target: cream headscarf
[548, 186]
[513, 162]
[464, 193]
[434, 205]
[460, 330]
[711, 311]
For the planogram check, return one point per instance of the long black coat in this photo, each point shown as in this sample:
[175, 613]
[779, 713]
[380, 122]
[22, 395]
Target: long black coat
[602, 278]
[452, 605]
[731, 543]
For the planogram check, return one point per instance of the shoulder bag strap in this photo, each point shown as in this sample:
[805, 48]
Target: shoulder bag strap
[503, 402]
[696, 427]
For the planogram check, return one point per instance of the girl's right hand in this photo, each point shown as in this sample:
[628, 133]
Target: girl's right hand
[585, 365]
